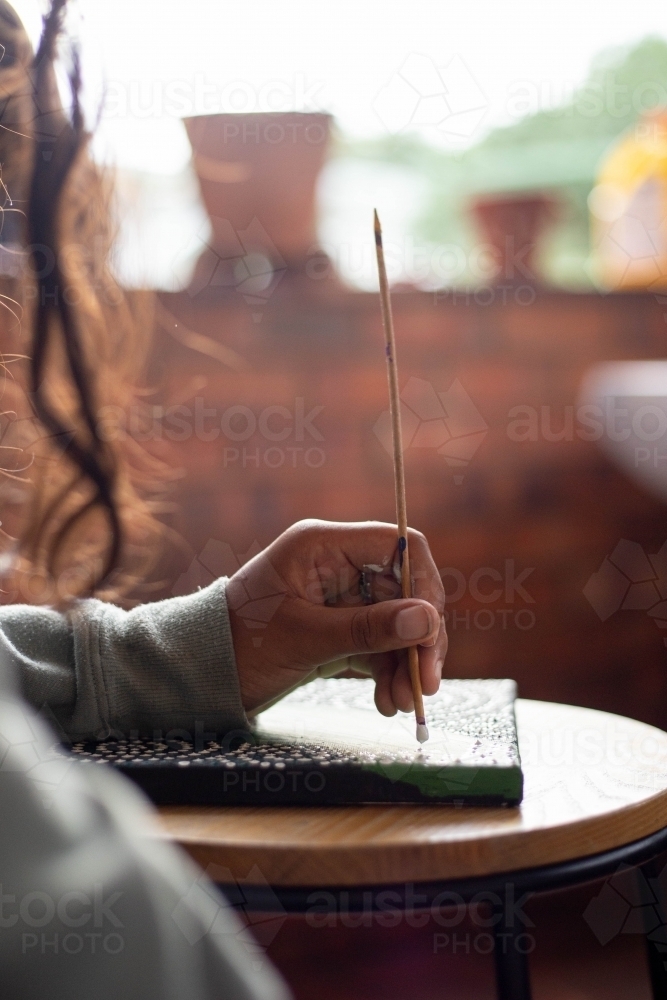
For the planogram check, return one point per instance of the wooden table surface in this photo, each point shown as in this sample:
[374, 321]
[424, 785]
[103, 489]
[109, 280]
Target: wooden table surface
[593, 781]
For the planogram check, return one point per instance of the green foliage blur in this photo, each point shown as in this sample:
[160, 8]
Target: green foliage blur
[551, 147]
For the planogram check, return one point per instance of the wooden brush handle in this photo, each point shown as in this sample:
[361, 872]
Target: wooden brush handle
[399, 469]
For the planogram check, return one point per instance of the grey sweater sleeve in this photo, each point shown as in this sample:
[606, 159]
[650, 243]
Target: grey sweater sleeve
[158, 669]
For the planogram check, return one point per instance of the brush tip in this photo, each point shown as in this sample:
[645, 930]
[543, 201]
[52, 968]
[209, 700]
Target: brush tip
[422, 732]
[377, 229]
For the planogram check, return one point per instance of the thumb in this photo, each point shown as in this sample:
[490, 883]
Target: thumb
[373, 628]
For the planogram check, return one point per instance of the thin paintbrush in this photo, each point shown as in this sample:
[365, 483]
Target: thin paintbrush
[399, 474]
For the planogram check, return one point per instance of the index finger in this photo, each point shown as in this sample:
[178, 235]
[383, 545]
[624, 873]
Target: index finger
[427, 582]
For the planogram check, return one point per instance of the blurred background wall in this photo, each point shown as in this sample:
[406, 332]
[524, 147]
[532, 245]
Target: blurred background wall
[518, 530]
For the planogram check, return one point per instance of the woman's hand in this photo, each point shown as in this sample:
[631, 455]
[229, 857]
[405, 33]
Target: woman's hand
[304, 602]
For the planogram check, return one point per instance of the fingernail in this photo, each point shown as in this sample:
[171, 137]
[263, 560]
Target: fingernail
[438, 668]
[413, 623]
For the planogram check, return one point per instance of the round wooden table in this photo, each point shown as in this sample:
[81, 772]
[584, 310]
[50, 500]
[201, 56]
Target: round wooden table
[595, 798]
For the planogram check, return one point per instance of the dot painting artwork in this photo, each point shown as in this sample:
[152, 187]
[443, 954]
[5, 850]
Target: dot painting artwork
[326, 744]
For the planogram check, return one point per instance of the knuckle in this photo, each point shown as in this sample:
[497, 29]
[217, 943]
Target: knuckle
[306, 526]
[303, 532]
[365, 633]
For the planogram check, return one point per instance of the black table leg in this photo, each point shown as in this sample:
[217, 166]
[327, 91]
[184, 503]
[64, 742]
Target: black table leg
[511, 946]
[655, 921]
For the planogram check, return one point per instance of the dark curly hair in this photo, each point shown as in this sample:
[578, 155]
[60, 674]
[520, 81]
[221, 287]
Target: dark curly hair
[87, 518]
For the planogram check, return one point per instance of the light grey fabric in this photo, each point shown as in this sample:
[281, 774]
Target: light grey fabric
[91, 904]
[162, 667]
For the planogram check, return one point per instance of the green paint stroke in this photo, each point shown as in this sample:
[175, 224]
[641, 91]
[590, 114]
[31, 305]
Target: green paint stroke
[459, 781]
